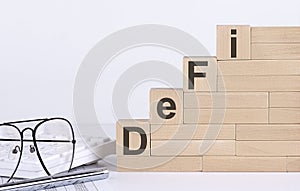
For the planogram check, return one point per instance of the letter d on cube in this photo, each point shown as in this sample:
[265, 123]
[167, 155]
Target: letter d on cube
[133, 137]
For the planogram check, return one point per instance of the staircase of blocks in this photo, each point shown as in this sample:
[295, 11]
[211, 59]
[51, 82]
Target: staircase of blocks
[237, 112]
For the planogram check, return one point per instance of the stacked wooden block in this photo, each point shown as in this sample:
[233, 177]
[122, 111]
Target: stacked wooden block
[239, 111]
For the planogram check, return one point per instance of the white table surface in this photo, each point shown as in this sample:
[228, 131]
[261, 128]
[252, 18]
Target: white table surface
[189, 181]
[200, 181]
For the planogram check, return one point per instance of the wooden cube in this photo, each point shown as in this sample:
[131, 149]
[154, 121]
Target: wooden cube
[259, 67]
[285, 99]
[193, 132]
[268, 35]
[166, 106]
[268, 148]
[284, 115]
[259, 83]
[275, 51]
[268, 132]
[219, 100]
[133, 137]
[220, 116]
[159, 164]
[243, 164]
[192, 147]
[293, 164]
[233, 42]
[200, 74]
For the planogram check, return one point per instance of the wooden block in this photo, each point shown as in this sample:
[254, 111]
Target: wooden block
[275, 34]
[293, 164]
[275, 51]
[284, 115]
[192, 148]
[226, 100]
[133, 137]
[259, 83]
[243, 164]
[226, 116]
[259, 67]
[233, 42]
[159, 164]
[166, 106]
[200, 74]
[285, 99]
[267, 132]
[268, 148]
[193, 132]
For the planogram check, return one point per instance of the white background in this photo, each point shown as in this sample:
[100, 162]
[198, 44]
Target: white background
[43, 42]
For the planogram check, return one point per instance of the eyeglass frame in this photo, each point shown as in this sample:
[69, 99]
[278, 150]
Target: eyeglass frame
[34, 140]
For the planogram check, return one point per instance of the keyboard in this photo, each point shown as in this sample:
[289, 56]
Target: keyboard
[87, 150]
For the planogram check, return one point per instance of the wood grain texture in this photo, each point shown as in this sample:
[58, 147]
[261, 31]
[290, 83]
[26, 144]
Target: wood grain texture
[224, 42]
[229, 116]
[243, 164]
[268, 148]
[226, 100]
[207, 83]
[259, 83]
[275, 34]
[159, 164]
[192, 148]
[284, 115]
[156, 95]
[134, 138]
[193, 132]
[285, 99]
[259, 67]
[262, 132]
[293, 164]
[275, 51]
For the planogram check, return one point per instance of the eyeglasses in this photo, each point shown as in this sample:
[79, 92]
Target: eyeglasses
[48, 138]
